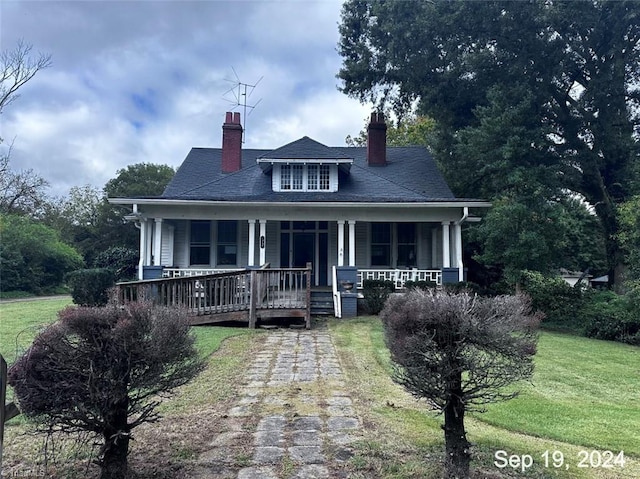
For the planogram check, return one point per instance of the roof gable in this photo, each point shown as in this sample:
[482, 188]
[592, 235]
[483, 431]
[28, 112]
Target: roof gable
[304, 149]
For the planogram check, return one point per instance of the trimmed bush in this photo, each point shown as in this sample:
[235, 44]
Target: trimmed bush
[376, 292]
[90, 287]
[611, 317]
[122, 261]
[560, 302]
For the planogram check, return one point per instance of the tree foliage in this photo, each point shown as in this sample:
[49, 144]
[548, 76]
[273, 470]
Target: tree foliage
[102, 370]
[458, 351]
[523, 93]
[32, 256]
[141, 179]
[629, 235]
[535, 234]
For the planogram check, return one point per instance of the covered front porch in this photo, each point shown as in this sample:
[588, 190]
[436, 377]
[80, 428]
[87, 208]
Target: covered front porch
[399, 242]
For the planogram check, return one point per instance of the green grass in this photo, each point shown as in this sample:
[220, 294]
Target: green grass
[21, 321]
[583, 392]
[584, 397]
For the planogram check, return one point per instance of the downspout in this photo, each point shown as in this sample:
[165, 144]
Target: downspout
[458, 223]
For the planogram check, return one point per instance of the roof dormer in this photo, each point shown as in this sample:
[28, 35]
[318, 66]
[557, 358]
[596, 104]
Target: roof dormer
[304, 165]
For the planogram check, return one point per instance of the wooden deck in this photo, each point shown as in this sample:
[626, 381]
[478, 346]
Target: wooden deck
[247, 295]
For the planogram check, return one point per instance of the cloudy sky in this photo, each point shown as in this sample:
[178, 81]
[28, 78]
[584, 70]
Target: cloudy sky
[144, 81]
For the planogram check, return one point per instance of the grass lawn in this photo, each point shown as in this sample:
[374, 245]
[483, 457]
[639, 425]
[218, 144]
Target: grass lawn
[20, 321]
[584, 397]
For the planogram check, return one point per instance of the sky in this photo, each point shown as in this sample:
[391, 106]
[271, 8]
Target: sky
[145, 81]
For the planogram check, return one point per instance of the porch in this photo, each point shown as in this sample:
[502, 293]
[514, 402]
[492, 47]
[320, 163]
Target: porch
[244, 295]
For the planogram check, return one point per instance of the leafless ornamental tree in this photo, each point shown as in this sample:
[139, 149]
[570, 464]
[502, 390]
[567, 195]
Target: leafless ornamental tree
[102, 370]
[20, 191]
[459, 351]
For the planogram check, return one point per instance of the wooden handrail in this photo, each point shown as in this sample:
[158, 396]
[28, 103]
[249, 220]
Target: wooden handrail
[250, 290]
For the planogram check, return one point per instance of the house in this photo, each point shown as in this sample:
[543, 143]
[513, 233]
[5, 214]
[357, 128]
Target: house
[384, 211]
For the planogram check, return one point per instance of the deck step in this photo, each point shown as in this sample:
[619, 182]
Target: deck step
[322, 303]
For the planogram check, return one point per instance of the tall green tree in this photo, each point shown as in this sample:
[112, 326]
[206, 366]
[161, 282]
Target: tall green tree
[569, 71]
[141, 179]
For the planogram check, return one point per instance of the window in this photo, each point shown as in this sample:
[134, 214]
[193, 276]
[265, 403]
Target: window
[380, 244]
[285, 177]
[312, 177]
[304, 178]
[200, 243]
[406, 244]
[227, 242]
[297, 176]
[325, 173]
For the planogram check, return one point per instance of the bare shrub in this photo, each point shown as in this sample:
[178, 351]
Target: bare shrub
[458, 351]
[103, 370]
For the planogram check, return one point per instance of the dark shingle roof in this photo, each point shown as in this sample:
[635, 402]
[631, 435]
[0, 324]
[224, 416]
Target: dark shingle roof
[409, 176]
[304, 148]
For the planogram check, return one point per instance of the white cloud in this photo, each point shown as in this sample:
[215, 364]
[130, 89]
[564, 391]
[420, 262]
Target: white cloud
[140, 81]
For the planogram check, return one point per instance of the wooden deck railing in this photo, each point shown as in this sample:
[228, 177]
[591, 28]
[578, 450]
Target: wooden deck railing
[238, 295]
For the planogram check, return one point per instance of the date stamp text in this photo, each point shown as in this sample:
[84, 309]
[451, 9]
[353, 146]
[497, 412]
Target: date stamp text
[558, 460]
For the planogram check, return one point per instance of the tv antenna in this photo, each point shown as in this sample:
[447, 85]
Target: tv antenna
[241, 92]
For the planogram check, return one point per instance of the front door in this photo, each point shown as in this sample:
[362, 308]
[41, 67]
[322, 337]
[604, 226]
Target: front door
[303, 242]
[304, 249]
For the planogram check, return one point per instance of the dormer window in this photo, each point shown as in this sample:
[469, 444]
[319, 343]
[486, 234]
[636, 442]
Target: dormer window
[305, 177]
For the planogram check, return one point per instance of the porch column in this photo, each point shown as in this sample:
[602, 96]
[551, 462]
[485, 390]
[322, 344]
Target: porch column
[340, 242]
[263, 242]
[352, 243]
[143, 248]
[446, 251]
[457, 232]
[157, 247]
[149, 243]
[252, 243]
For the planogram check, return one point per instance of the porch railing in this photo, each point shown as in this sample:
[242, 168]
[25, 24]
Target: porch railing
[187, 272]
[400, 276]
[264, 292]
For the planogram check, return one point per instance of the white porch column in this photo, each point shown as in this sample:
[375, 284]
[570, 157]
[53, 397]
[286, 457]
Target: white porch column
[147, 251]
[446, 251]
[340, 242]
[352, 243]
[457, 232]
[263, 242]
[252, 243]
[157, 247]
[143, 248]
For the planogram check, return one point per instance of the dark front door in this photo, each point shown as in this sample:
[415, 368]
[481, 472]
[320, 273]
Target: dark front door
[303, 249]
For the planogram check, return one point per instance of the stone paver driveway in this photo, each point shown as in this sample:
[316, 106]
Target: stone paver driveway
[293, 412]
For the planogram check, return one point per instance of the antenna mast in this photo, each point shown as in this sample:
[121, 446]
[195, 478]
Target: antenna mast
[241, 92]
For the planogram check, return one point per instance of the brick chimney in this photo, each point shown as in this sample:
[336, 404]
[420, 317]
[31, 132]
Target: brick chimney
[231, 143]
[377, 140]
